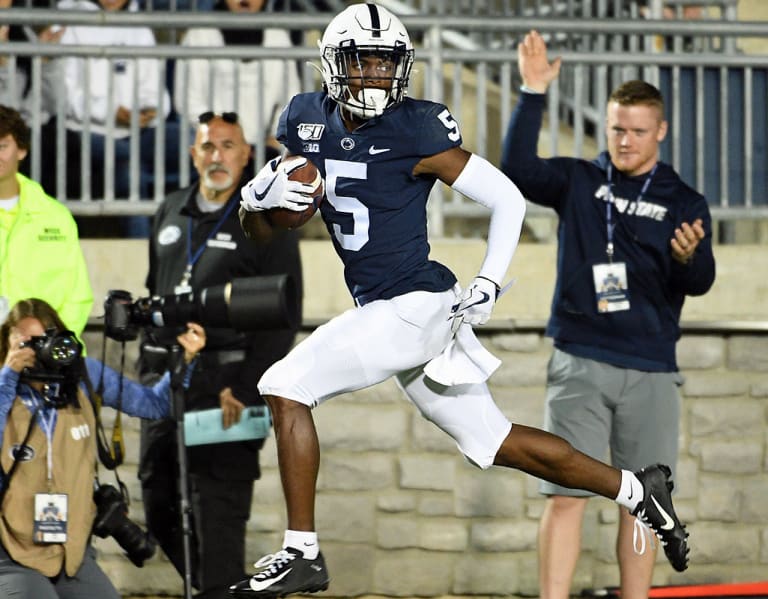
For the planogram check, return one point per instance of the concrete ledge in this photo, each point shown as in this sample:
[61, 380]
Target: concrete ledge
[740, 292]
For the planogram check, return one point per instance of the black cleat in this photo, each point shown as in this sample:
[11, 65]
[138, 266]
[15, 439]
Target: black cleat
[656, 510]
[284, 573]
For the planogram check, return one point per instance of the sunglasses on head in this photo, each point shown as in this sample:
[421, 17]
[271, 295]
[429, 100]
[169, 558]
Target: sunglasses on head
[208, 116]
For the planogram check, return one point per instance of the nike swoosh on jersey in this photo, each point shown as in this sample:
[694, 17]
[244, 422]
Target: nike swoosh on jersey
[373, 150]
[669, 524]
[260, 585]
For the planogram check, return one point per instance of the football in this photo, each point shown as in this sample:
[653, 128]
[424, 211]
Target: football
[282, 218]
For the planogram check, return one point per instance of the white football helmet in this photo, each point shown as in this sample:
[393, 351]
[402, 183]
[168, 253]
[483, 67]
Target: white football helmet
[364, 31]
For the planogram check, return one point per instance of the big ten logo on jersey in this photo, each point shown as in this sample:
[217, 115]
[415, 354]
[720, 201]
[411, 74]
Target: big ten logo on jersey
[310, 134]
[81, 431]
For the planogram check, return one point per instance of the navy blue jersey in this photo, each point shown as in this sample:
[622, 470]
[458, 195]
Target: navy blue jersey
[375, 209]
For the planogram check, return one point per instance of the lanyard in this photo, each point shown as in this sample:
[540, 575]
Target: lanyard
[46, 417]
[192, 258]
[610, 225]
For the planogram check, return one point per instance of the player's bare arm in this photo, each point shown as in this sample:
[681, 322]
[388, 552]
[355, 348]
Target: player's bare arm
[446, 166]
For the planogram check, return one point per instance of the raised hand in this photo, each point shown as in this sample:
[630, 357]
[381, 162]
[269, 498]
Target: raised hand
[537, 72]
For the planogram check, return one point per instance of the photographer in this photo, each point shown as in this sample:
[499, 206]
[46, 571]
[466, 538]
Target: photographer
[48, 439]
[197, 242]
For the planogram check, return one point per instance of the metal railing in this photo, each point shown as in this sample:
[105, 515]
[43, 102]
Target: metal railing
[478, 82]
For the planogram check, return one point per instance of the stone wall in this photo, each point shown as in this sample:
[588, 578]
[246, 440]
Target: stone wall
[400, 513]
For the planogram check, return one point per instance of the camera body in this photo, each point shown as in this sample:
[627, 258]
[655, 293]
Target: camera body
[55, 350]
[57, 355]
[112, 520]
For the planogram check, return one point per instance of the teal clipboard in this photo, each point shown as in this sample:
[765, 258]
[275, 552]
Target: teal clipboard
[204, 426]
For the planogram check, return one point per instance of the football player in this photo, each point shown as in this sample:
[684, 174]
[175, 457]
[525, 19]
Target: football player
[380, 153]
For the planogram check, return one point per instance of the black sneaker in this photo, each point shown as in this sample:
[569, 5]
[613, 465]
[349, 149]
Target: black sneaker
[656, 510]
[284, 573]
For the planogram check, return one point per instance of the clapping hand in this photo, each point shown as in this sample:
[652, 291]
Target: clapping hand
[685, 241]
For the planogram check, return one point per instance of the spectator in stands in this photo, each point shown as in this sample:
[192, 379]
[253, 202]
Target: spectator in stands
[41, 254]
[686, 11]
[197, 242]
[88, 83]
[256, 89]
[634, 241]
[672, 11]
[178, 5]
[16, 87]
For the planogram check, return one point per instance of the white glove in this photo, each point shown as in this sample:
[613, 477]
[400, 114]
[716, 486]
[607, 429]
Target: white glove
[271, 188]
[475, 303]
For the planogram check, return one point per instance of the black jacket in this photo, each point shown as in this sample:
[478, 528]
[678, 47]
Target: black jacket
[231, 358]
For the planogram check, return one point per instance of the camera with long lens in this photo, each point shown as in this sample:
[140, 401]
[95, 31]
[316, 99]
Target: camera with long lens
[248, 303]
[112, 520]
[57, 363]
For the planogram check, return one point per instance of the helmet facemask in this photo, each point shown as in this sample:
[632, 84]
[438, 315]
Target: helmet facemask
[366, 59]
[365, 68]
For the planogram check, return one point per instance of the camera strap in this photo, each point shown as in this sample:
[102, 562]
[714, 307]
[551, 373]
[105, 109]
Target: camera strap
[111, 456]
[7, 477]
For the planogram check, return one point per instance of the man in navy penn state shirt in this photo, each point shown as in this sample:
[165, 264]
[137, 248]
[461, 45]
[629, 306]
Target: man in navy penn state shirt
[633, 241]
[380, 154]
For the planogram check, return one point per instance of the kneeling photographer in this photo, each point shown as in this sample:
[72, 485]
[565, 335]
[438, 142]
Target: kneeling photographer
[48, 438]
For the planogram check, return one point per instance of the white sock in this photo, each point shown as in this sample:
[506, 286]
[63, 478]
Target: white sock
[631, 491]
[304, 541]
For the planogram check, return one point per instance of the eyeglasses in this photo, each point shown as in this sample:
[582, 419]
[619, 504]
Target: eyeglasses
[209, 115]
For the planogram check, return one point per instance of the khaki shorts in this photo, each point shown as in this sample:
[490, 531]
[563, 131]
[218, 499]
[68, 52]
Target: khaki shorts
[598, 407]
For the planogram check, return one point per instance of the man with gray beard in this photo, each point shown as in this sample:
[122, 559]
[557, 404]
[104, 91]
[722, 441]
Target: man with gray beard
[197, 242]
